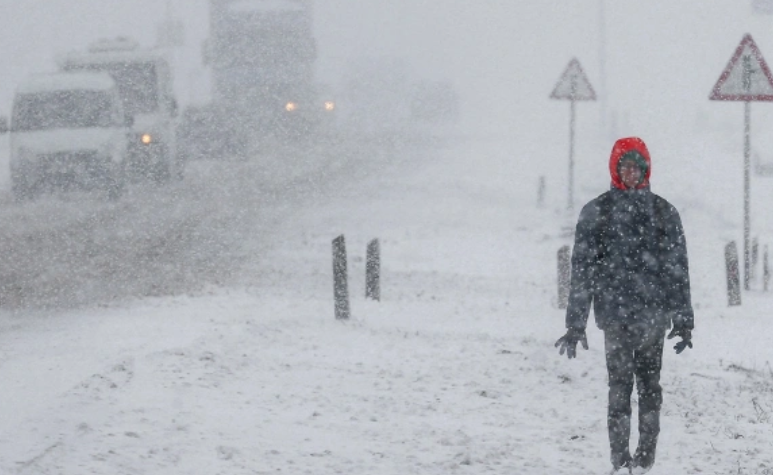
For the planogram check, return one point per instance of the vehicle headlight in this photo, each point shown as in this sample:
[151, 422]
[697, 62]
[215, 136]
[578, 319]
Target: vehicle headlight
[146, 139]
[330, 105]
[291, 106]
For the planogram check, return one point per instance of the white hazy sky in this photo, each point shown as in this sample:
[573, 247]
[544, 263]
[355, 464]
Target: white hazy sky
[662, 57]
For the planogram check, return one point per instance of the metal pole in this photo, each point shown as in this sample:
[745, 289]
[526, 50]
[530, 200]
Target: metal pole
[765, 270]
[572, 122]
[746, 194]
[602, 66]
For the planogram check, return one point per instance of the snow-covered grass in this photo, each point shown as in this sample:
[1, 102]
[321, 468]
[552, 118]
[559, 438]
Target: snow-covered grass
[454, 371]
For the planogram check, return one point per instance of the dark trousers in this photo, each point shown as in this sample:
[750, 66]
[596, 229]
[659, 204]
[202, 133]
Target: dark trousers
[633, 352]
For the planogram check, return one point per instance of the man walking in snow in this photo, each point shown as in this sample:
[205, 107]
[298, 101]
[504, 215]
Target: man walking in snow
[630, 261]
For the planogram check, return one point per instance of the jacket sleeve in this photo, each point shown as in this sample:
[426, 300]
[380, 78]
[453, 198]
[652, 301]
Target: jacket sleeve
[584, 258]
[676, 272]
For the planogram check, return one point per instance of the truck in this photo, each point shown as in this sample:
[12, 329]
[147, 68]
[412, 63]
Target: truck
[145, 85]
[262, 55]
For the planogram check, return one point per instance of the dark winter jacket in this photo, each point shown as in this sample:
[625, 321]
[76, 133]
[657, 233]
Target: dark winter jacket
[629, 257]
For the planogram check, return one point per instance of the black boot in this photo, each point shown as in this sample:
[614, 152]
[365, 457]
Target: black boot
[643, 460]
[621, 463]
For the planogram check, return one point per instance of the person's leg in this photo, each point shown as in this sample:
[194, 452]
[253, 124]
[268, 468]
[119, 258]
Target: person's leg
[648, 359]
[620, 368]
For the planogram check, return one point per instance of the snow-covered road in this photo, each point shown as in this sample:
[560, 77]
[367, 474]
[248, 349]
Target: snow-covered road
[453, 372]
[72, 249]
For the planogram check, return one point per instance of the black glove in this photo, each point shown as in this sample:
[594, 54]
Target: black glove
[569, 341]
[685, 334]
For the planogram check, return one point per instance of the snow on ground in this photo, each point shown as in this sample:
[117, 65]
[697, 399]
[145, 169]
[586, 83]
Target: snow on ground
[69, 248]
[454, 371]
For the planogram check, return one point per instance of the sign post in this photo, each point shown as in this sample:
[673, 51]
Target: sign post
[746, 78]
[573, 86]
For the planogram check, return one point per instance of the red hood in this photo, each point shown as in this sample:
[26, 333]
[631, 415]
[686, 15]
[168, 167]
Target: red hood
[623, 146]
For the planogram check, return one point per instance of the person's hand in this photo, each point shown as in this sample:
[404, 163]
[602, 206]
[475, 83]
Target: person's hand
[685, 334]
[568, 342]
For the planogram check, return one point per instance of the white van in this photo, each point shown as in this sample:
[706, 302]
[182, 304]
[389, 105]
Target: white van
[68, 129]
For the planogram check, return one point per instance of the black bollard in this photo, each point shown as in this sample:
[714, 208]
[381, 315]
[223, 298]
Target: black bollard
[373, 271]
[564, 276]
[340, 284]
[755, 258]
[541, 192]
[733, 277]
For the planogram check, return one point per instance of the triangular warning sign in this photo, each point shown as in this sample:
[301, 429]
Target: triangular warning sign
[746, 77]
[574, 85]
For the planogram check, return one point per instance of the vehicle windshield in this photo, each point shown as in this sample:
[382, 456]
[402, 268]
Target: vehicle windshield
[245, 40]
[62, 110]
[137, 84]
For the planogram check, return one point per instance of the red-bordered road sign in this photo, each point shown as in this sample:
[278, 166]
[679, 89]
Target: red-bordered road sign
[573, 84]
[746, 77]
